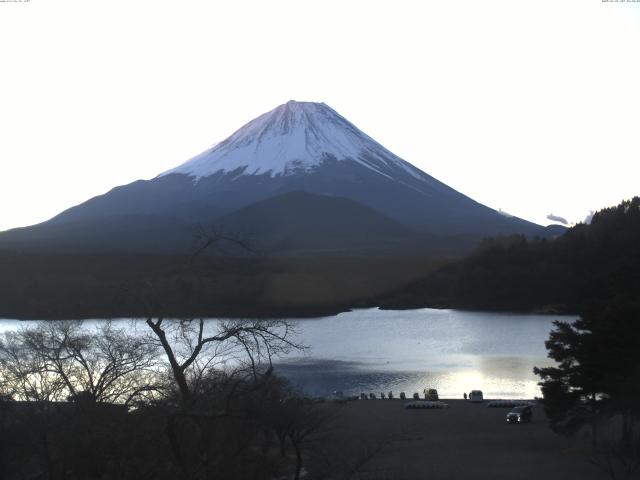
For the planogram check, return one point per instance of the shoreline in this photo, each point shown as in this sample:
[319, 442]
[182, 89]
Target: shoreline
[305, 315]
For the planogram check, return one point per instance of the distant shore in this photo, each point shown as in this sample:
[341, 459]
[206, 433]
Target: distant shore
[306, 313]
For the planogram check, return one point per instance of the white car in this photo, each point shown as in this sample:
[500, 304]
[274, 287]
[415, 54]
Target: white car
[476, 396]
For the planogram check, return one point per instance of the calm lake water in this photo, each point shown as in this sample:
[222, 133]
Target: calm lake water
[454, 351]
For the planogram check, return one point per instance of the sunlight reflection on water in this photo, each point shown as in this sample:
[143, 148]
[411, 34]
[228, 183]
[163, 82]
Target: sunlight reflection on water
[453, 351]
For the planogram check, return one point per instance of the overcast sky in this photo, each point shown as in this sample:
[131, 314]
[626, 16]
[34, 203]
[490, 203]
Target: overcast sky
[532, 107]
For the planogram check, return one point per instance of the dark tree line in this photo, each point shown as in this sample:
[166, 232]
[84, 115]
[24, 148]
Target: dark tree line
[587, 265]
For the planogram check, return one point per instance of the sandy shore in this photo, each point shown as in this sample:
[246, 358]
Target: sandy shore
[380, 439]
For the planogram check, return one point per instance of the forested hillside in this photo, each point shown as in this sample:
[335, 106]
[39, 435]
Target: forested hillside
[587, 265]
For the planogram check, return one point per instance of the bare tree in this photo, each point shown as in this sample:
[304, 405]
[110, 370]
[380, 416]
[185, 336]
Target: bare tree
[213, 362]
[234, 345]
[307, 420]
[24, 373]
[63, 359]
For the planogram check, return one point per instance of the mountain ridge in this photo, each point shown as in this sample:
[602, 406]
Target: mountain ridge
[298, 146]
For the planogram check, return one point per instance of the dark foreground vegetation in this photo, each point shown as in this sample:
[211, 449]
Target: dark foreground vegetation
[587, 265]
[173, 400]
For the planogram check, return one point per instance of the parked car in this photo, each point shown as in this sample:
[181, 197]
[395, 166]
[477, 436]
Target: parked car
[431, 394]
[476, 396]
[520, 414]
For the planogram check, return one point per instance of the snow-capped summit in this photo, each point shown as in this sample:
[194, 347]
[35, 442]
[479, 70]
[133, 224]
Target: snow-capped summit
[299, 176]
[292, 138]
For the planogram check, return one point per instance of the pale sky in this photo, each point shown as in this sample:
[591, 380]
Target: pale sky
[531, 106]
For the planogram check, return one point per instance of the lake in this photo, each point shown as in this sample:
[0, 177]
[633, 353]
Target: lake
[451, 350]
[454, 351]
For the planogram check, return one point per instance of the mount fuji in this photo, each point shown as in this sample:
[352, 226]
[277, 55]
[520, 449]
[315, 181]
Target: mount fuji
[294, 138]
[298, 177]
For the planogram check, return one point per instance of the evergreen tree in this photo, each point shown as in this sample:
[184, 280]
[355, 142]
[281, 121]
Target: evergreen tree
[598, 371]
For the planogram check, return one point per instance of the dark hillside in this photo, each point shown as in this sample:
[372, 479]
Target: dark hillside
[586, 265]
[57, 285]
[300, 221]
